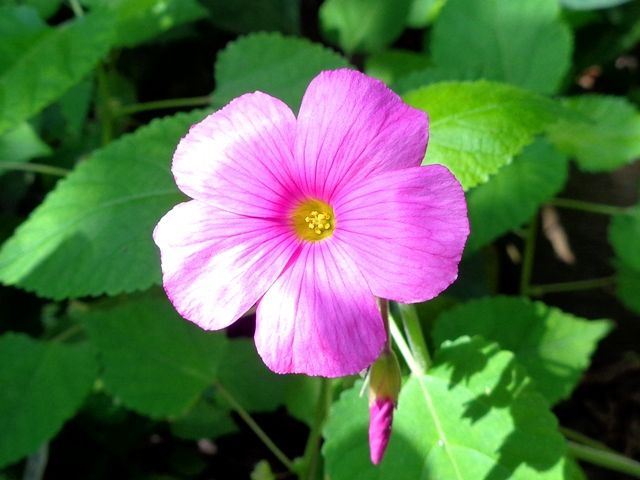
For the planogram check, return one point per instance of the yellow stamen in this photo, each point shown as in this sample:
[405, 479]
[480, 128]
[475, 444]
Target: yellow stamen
[313, 220]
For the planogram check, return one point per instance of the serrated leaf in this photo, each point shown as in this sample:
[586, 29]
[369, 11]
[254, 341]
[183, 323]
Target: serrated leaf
[360, 26]
[609, 136]
[43, 384]
[553, 345]
[245, 16]
[514, 194]
[277, 65]
[97, 223]
[475, 415]
[154, 361]
[591, 4]
[45, 71]
[21, 144]
[524, 43]
[390, 65]
[477, 127]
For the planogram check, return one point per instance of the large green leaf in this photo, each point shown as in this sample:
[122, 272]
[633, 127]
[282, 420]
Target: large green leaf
[92, 234]
[524, 42]
[20, 27]
[363, 25]
[280, 66]
[55, 62]
[154, 361]
[245, 16]
[609, 136]
[514, 194]
[43, 384]
[475, 415]
[554, 346]
[477, 127]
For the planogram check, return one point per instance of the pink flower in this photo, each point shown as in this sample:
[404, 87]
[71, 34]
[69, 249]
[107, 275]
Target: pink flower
[310, 218]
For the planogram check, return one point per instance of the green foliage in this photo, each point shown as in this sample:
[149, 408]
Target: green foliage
[475, 414]
[554, 346]
[245, 16]
[624, 235]
[100, 219]
[63, 56]
[154, 361]
[628, 286]
[43, 384]
[363, 25]
[524, 43]
[423, 12]
[606, 139]
[20, 27]
[591, 4]
[277, 65]
[21, 144]
[389, 65]
[205, 419]
[512, 196]
[477, 127]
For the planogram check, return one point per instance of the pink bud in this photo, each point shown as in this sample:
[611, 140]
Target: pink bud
[380, 419]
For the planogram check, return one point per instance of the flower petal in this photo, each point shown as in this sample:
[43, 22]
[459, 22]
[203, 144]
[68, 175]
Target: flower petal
[217, 264]
[350, 126]
[319, 317]
[380, 422]
[238, 157]
[405, 230]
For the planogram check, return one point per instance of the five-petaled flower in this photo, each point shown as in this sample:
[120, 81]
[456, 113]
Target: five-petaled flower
[311, 218]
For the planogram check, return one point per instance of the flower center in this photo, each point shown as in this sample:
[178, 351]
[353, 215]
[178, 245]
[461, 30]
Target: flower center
[313, 220]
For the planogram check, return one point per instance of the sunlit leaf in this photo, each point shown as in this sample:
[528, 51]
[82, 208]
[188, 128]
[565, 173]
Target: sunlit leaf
[554, 346]
[43, 384]
[21, 144]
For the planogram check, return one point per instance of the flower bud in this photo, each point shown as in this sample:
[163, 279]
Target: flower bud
[384, 388]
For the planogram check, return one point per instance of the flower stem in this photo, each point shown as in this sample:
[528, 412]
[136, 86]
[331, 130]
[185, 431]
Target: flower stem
[591, 207]
[413, 331]
[68, 333]
[581, 438]
[35, 168]
[36, 464]
[405, 351]
[163, 105]
[603, 458]
[76, 7]
[529, 255]
[539, 290]
[312, 449]
[251, 423]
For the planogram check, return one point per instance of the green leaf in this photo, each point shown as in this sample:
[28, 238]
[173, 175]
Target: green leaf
[609, 136]
[423, 12]
[554, 346]
[476, 128]
[21, 144]
[359, 26]
[45, 8]
[245, 376]
[97, 222]
[45, 71]
[389, 65]
[154, 361]
[524, 43]
[429, 75]
[591, 4]
[43, 385]
[140, 20]
[515, 193]
[20, 27]
[280, 66]
[475, 415]
[624, 235]
[246, 16]
[301, 397]
[205, 419]
[628, 286]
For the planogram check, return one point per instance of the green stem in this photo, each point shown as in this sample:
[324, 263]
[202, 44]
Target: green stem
[35, 168]
[529, 255]
[413, 331]
[590, 207]
[312, 449]
[251, 423]
[76, 7]
[36, 464]
[68, 333]
[610, 460]
[539, 290]
[583, 439]
[405, 351]
[163, 105]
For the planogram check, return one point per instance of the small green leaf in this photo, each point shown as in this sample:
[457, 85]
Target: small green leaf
[97, 222]
[53, 64]
[514, 194]
[389, 65]
[43, 384]
[155, 362]
[359, 26]
[476, 128]
[277, 65]
[21, 144]
[475, 415]
[423, 12]
[554, 346]
[246, 16]
[524, 43]
[609, 136]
